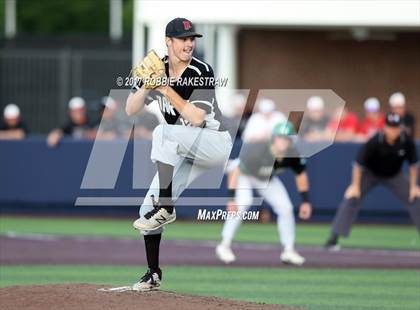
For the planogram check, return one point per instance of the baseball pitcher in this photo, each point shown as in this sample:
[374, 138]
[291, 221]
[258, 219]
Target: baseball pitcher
[192, 140]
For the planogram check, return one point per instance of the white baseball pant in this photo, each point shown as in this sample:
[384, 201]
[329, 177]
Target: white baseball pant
[276, 195]
[192, 151]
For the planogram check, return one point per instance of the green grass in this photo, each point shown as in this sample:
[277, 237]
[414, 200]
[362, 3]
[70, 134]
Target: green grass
[371, 236]
[312, 288]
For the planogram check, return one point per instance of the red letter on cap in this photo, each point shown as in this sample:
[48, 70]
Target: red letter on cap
[187, 25]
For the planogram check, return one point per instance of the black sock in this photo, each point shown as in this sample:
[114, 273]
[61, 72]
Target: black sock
[165, 173]
[152, 243]
[333, 239]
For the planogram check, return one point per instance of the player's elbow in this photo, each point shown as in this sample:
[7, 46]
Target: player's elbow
[129, 111]
[300, 177]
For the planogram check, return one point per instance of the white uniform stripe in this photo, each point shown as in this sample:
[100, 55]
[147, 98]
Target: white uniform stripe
[203, 63]
[195, 68]
[203, 101]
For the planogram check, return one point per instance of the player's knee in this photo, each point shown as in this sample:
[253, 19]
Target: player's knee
[244, 203]
[352, 203]
[243, 207]
[285, 211]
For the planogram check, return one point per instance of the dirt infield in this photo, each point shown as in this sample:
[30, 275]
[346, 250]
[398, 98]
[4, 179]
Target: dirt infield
[49, 249]
[87, 297]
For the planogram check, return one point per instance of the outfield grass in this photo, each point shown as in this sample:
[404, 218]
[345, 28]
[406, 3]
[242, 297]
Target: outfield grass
[312, 288]
[371, 236]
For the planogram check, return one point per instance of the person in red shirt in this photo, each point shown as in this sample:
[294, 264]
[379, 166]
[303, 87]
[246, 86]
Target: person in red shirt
[374, 120]
[344, 124]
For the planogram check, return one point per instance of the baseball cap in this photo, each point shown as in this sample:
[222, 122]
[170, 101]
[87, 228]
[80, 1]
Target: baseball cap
[372, 104]
[397, 100]
[76, 103]
[266, 106]
[283, 129]
[315, 103]
[181, 28]
[393, 119]
[11, 111]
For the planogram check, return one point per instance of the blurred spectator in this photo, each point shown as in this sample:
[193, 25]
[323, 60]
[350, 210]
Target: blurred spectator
[261, 124]
[236, 124]
[374, 120]
[397, 104]
[78, 125]
[238, 121]
[12, 127]
[110, 126]
[145, 123]
[314, 126]
[343, 125]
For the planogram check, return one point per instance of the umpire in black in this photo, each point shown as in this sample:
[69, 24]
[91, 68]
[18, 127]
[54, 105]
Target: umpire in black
[379, 162]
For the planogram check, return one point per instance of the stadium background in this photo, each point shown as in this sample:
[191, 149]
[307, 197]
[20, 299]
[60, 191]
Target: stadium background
[47, 60]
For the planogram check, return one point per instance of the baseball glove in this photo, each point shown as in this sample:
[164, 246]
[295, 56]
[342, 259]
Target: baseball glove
[151, 70]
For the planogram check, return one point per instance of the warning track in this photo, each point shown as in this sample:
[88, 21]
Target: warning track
[52, 249]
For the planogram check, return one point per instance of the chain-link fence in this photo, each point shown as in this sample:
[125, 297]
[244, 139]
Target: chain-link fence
[41, 82]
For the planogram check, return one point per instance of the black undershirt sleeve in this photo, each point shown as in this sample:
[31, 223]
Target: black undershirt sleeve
[298, 165]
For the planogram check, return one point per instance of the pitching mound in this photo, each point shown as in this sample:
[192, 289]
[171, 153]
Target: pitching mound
[87, 297]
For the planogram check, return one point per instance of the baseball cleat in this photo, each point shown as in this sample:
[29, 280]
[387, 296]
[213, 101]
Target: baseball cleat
[332, 244]
[156, 218]
[292, 257]
[333, 247]
[149, 282]
[225, 254]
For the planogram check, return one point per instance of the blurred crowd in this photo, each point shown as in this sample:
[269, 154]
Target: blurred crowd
[105, 119]
[319, 123]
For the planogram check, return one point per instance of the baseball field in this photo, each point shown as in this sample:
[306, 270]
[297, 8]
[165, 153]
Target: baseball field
[378, 267]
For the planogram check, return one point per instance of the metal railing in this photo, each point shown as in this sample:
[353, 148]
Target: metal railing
[41, 82]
